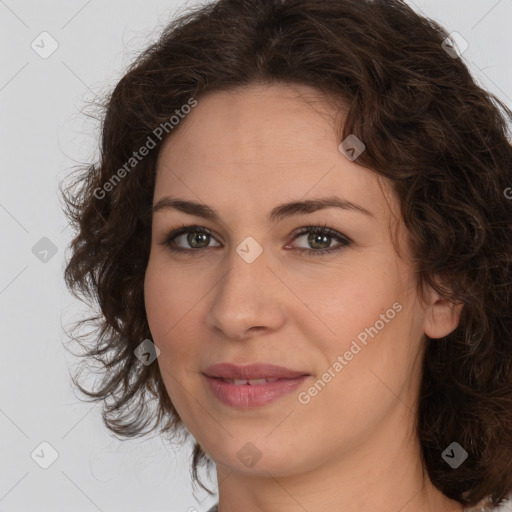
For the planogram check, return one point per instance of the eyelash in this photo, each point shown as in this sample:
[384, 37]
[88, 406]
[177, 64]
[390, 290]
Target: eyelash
[344, 241]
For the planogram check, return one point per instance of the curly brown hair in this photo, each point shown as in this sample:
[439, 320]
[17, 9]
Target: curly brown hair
[440, 140]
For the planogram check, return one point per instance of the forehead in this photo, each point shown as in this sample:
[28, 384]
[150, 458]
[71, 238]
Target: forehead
[268, 121]
[258, 145]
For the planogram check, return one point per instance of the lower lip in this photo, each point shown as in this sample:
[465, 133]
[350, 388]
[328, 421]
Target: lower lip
[248, 395]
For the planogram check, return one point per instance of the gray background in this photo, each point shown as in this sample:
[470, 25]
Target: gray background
[43, 135]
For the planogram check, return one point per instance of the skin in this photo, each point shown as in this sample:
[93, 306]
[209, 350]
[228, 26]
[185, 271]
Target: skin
[353, 446]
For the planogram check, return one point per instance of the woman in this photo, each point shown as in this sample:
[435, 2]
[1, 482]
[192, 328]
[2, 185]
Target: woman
[299, 237]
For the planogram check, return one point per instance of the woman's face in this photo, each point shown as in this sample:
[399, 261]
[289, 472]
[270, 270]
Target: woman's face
[346, 316]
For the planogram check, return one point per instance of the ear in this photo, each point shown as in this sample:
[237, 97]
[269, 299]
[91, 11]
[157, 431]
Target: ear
[441, 316]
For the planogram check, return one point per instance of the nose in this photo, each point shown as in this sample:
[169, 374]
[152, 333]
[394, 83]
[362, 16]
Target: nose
[249, 297]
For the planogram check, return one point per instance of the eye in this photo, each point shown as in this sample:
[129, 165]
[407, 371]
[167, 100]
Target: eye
[197, 237]
[320, 239]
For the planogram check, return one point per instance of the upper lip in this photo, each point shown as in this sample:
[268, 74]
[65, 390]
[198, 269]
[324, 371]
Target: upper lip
[252, 371]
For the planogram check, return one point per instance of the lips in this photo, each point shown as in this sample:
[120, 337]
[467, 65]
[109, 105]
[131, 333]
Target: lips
[251, 373]
[252, 385]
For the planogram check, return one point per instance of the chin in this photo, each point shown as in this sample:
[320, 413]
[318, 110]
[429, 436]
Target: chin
[260, 461]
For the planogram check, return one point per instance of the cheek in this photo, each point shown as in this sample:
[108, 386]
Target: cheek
[172, 305]
[352, 297]
[366, 311]
[156, 301]
[166, 310]
[167, 299]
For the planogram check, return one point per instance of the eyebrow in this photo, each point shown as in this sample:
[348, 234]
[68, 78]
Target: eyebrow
[278, 213]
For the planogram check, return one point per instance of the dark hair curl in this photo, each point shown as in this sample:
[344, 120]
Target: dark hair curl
[438, 137]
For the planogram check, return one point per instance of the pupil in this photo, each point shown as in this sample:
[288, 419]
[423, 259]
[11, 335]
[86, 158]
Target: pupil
[317, 238]
[193, 236]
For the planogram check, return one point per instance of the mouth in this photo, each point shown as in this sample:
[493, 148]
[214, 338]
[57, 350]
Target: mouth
[253, 385]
